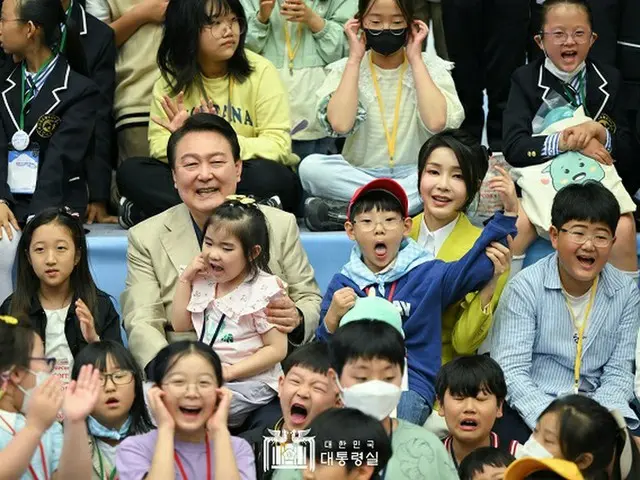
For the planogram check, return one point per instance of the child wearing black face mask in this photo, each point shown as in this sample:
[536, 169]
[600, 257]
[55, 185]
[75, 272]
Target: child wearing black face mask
[386, 101]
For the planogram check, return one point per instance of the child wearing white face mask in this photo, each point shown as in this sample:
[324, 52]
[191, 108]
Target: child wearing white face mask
[566, 36]
[580, 430]
[32, 445]
[367, 357]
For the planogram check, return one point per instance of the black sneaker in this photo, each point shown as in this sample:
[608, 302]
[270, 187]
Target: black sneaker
[322, 215]
[125, 216]
[273, 202]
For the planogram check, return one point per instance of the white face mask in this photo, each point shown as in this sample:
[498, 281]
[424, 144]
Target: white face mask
[532, 449]
[41, 377]
[566, 77]
[375, 398]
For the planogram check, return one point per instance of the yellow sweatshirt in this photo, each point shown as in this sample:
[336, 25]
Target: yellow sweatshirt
[465, 324]
[260, 112]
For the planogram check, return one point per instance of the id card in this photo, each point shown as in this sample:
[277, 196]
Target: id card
[22, 175]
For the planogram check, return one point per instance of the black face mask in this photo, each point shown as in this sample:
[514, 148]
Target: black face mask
[385, 42]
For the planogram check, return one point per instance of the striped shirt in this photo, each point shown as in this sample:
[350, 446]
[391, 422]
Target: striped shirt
[34, 86]
[533, 341]
[551, 146]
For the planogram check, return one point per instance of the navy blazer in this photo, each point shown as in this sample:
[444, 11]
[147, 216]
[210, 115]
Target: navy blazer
[98, 43]
[69, 101]
[530, 86]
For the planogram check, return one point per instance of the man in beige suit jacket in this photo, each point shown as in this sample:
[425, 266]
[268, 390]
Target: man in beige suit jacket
[204, 157]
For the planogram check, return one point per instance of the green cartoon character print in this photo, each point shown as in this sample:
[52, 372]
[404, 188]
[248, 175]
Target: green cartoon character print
[573, 167]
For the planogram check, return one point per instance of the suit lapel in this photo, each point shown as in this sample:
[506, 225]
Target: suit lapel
[549, 83]
[48, 98]
[179, 240]
[79, 16]
[11, 96]
[597, 94]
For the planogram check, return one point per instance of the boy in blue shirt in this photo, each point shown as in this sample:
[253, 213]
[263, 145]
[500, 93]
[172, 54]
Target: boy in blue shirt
[386, 263]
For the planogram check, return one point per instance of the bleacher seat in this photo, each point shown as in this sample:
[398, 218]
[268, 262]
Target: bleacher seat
[327, 253]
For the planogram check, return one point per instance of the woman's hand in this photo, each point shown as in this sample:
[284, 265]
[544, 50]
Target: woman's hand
[503, 185]
[356, 39]
[500, 256]
[159, 410]
[7, 220]
[82, 394]
[417, 35]
[176, 113]
[596, 150]
[218, 421]
[87, 323]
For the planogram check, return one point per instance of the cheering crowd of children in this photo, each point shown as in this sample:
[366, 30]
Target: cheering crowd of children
[432, 354]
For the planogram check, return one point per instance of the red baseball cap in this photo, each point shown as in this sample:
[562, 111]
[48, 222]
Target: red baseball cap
[386, 185]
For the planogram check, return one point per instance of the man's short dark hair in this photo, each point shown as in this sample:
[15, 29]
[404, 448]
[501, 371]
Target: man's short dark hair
[475, 462]
[366, 339]
[468, 376]
[203, 122]
[589, 201]
[313, 356]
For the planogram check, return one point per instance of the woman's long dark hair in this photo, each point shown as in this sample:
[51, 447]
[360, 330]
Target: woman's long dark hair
[49, 16]
[28, 284]
[96, 354]
[178, 52]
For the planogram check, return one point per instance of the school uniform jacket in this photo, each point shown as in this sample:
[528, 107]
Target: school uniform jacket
[105, 317]
[532, 84]
[61, 119]
[98, 42]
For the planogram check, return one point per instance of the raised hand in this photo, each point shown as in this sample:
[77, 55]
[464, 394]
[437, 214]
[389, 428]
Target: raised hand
[45, 403]
[219, 419]
[199, 266]
[175, 111]
[418, 34]
[82, 394]
[159, 410]
[503, 185]
[266, 7]
[87, 323]
[500, 256]
[356, 39]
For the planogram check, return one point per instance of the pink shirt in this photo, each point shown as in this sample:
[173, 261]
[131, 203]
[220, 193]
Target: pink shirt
[232, 325]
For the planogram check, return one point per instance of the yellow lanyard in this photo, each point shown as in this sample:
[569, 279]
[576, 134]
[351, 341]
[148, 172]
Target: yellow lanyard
[391, 137]
[292, 51]
[576, 368]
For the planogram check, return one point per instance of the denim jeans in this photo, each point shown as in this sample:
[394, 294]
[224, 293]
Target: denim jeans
[413, 408]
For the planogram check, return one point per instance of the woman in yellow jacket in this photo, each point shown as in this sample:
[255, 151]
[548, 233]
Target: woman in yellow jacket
[451, 168]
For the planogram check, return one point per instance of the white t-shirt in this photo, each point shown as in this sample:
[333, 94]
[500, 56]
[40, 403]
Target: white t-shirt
[432, 241]
[579, 307]
[56, 342]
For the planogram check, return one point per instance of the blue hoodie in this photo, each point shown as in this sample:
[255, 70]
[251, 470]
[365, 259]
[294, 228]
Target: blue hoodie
[422, 292]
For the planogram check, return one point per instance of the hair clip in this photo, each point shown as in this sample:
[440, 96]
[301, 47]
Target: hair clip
[242, 199]
[67, 211]
[9, 320]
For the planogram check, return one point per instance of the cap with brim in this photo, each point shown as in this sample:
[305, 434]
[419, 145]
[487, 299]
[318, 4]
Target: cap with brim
[374, 308]
[520, 469]
[385, 185]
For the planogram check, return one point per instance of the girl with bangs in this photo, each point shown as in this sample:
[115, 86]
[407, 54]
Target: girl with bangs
[205, 68]
[120, 410]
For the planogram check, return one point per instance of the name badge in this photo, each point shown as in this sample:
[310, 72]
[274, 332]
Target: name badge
[22, 175]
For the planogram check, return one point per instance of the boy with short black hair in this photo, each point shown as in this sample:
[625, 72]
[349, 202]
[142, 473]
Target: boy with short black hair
[568, 324]
[386, 263]
[471, 391]
[368, 360]
[349, 445]
[305, 391]
[485, 463]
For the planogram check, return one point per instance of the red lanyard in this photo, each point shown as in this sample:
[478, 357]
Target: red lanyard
[181, 467]
[43, 459]
[392, 290]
